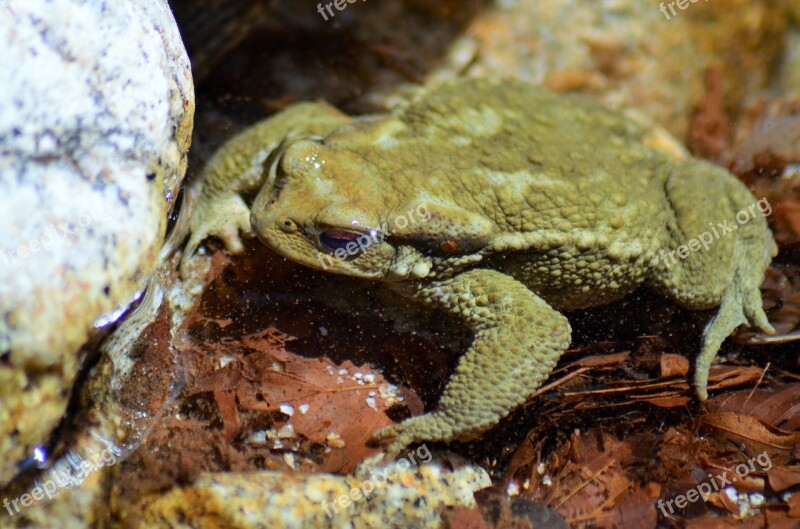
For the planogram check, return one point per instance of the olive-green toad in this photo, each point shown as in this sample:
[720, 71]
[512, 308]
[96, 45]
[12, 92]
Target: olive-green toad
[535, 202]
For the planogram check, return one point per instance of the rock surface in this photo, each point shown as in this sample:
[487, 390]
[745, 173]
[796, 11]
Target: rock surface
[96, 110]
[399, 495]
[628, 53]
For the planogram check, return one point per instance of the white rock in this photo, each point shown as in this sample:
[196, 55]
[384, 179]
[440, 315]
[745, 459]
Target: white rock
[96, 107]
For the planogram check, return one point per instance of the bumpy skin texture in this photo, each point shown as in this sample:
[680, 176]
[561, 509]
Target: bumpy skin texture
[536, 202]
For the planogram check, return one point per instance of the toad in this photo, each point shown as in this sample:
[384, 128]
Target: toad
[534, 203]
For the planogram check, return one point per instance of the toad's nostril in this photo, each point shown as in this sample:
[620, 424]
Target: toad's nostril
[287, 225]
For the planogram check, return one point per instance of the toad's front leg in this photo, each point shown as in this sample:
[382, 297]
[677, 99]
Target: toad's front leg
[239, 167]
[518, 338]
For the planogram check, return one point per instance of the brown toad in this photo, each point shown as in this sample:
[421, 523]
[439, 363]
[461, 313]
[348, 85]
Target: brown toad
[527, 203]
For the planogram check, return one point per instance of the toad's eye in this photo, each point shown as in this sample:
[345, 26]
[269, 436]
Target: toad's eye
[335, 239]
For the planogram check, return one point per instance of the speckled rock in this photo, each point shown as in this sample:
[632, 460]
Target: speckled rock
[96, 109]
[104, 429]
[627, 52]
[399, 495]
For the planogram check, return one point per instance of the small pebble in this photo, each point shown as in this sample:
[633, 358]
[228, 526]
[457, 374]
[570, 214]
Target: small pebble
[287, 430]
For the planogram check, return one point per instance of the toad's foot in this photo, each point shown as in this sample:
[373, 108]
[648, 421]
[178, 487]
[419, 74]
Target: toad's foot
[741, 304]
[434, 426]
[518, 340]
[224, 217]
[726, 266]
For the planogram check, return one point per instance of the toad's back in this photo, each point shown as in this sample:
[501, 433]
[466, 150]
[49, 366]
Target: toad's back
[575, 200]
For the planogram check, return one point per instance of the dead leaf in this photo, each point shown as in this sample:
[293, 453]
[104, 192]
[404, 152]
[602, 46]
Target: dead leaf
[748, 427]
[779, 406]
[781, 478]
[779, 519]
[716, 522]
[721, 377]
[794, 505]
[673, 365]
[671, 401]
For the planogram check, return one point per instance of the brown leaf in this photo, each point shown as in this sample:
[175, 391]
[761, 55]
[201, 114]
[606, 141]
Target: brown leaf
[638, 510]
[774, 406]
[524, 455]
[673, 365]
[464, 518]
[226, 401]
[671, 401]
[794, 505]
[780, 519]
[339, 406]
[787, 215]
[722, 377]
[611, 359]
[748, 427]
[714, 522]
[781, 478]
[327, 399]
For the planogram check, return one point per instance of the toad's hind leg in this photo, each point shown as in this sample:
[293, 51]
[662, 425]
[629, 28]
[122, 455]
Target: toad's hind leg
[518, 339]
[729, 247]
